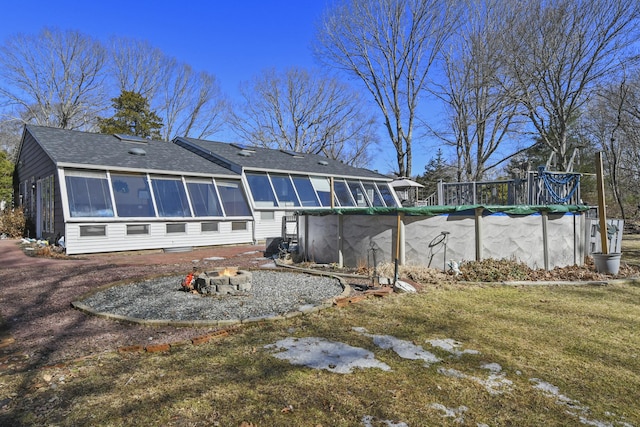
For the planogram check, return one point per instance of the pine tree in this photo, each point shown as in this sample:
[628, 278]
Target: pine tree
[133, 116]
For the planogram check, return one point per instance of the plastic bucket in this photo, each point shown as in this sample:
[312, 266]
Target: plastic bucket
[607, 263]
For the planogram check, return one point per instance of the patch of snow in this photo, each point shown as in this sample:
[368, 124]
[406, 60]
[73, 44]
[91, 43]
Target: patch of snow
[453, 373]
[574, 406]
[250, 252]
[451, 346]
[368, 420]
[595, 423]
[214, 258]
[319, 353]
[269, 265]
[551, 391]
[403, 348]
[496, 383]
[456, 413]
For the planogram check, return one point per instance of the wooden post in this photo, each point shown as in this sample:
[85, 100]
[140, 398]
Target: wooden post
[478, 233]
[398, 237]
[602, 210]
[331, 193]
[340, 241]
[545, 239]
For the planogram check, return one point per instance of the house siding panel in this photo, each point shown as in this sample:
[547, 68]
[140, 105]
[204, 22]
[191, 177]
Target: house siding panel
[35, 164]
[116, 238]
[269, 228]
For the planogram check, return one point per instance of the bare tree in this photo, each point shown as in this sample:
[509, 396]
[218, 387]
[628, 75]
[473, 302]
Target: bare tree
[10, 134]
[482, 114]
[137, 66]
[390, 45]
[613, 122]
[190, 103]
[305, 112]
[557, 51]
[54, 78]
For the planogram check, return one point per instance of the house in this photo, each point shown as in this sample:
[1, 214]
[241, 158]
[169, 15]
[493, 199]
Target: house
[107, 193]
[279, 182]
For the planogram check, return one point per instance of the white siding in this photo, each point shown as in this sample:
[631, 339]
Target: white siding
[269, 227]
[116, 238]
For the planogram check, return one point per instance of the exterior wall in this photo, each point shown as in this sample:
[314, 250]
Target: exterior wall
[34, 164]
[266, 228]
[116, 238]
[538, 240]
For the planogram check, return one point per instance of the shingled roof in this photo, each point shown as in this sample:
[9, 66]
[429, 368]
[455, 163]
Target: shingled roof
[82, 149]
[238, 157]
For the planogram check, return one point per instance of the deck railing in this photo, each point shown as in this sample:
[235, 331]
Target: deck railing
[540, 188]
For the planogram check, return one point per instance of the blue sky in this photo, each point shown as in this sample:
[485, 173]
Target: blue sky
[233, 39]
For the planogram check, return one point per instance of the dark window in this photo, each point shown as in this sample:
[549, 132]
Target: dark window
[342, 193]
[358, 194]
[239, 226]
[386, 194]
[209, 226]
[133, 198]
[204, 199]
[177, 228]
[171, 199]
[261, 190]
[233, 200]
[93, 230]
[305, 191]
[133, 229]
[372, 194]
[284, 190]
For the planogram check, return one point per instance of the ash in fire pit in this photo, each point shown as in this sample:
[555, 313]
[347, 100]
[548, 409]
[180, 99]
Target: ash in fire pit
[221, 281]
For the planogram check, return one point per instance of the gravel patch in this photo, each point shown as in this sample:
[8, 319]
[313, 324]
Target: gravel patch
[272, 293]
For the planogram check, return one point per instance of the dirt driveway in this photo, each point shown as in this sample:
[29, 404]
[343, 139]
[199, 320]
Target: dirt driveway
[38, 325]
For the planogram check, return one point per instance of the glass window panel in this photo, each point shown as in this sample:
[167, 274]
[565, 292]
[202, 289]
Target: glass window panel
[238, 226]
[284, 190]
[204, 199]
[305, 191]
[261, 190]
[132, 196]
[88, 197]
[209, 226]
[171, 199]
[373, 194]
[323, 189]
[267, 215]
[358, 194]
[93, 230]
[233, 200]
[342, 193]
[133, 229]
[177, 228]
[386, 194]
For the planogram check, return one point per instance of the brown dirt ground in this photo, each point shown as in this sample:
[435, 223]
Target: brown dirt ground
[39, 327]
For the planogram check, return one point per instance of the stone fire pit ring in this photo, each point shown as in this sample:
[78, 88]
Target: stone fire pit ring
[273, 295]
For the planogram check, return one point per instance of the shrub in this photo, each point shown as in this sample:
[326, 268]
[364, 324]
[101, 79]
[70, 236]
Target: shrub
[12, 222]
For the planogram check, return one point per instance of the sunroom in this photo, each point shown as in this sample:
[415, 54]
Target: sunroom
[118, 193]
[279, 182]
[147, 211]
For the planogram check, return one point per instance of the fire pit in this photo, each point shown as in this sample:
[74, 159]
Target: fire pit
[220, 281]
